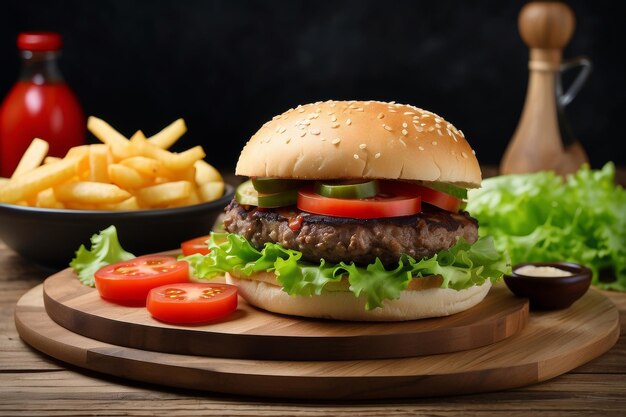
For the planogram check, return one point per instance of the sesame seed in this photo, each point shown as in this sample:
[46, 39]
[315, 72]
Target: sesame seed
[359, 109]
[404, 124]
[405, 132]
[420, 129]
[464, 155]
[335, 125]
[305, 122]
[393, 110]
[287, 140]
[461, 133]
[318, 110]
[323, 139]
[336, 141]
[402, 142]
[430, 129]
[300, 109]
[449, 132]
[380, 115]
[422, 124]
[473, 152]
[425, 115]
[437, 120]
[303, 133]
[349, 122]
[356, 156]
[377, 155]
[437, 125]
[407, 113]
[439, 132]
[333, 118]
[421, 148]
[362, 146]
[434, 142]
[314, 131]
[282, 130]
[387, 128]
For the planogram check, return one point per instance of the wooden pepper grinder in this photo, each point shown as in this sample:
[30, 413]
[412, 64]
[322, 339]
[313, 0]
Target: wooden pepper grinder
[542, 140]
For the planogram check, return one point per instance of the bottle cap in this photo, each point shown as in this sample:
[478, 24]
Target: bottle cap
[39, 41]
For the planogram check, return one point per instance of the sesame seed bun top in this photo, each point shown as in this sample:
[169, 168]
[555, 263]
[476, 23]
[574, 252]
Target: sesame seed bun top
[360, 139]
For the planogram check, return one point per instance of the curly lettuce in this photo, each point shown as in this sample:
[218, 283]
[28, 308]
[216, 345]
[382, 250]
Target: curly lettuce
[462, 266]
[105, 250]
[541, 217]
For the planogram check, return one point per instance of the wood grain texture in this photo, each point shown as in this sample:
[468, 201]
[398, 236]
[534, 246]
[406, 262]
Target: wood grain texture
[551, 344]
[252, 333]
[34, 384]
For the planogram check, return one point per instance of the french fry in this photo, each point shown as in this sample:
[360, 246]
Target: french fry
[169, 135]
[51, 160]
[107, 134]
[126, 177]
[98, 163]
[46, 199]
[87, 192]
[32, 158]
[78, 151]
[3, 181]
[45, 176]
[206, 172]
[165, 194]
[210, 191]
[126, 205]
[173, 161]
[147, 166]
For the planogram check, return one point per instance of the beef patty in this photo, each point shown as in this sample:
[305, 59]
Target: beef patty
[360, 241]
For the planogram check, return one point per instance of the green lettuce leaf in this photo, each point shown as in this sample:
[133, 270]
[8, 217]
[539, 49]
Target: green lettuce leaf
[105, 250]
[540, 217]
[461, 266]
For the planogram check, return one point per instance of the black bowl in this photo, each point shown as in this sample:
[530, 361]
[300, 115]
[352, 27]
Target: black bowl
[550, 293]
[50, 237]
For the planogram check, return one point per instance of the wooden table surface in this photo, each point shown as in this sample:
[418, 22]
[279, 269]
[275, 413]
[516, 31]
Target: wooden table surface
[34, 384]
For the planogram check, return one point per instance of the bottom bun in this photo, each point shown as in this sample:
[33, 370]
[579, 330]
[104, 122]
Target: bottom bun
[343, 305]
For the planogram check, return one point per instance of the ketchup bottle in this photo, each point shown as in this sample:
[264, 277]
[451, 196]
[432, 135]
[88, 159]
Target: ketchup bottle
[40, 104]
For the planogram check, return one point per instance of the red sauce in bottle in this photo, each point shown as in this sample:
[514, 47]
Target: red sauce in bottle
[39, 105]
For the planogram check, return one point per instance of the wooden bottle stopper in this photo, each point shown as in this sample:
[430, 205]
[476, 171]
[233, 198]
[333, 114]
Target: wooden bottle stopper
[537, 144]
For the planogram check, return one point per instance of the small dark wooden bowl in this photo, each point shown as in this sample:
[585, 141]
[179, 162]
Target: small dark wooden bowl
[550, 293]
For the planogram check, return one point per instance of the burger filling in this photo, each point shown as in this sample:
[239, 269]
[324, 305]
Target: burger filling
[374, 238]
[361, 241]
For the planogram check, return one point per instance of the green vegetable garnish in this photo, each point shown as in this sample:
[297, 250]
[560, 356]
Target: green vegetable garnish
[462, 266]
[539, 217]
[105, 250]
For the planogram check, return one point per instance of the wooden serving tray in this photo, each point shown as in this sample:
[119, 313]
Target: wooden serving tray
[251, 333]
[551, 344]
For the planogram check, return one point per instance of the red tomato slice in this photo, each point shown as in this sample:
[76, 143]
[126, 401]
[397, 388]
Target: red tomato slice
[436, 198]
[128, 282]
[191, 303]
[197, 245]
[383, 205]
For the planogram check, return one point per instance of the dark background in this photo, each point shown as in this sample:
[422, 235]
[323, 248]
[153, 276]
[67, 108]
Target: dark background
[228, 66]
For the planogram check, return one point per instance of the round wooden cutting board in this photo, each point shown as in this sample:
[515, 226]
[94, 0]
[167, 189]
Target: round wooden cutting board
[251, 333]
[551, 344]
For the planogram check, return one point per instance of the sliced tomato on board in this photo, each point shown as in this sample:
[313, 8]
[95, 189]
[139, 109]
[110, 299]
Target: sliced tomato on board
[192, 303]
[129, 282]
[196, 245]
[382, 205]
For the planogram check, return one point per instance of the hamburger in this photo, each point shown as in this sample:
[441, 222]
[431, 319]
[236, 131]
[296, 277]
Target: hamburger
[353, 210]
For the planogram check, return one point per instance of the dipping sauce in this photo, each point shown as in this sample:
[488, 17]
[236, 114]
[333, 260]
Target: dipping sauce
[542, 271]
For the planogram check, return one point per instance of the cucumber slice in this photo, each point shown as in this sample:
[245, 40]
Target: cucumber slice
[246, 195]
[453, 190]
[347, 189]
